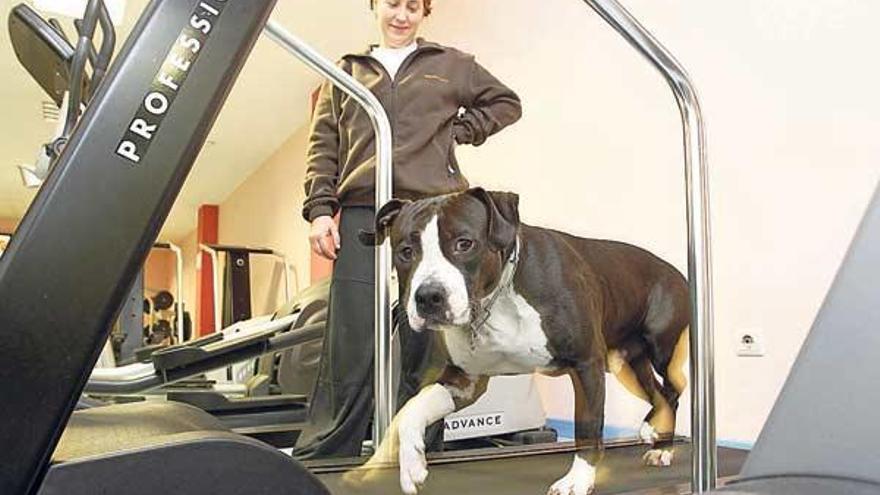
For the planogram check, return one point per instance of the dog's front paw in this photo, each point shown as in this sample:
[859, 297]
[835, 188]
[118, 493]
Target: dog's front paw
[413, 466]
[658, 457]
[579, 480]
[570, 485]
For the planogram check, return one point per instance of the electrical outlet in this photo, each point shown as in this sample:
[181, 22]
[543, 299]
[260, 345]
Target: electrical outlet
[750, 343]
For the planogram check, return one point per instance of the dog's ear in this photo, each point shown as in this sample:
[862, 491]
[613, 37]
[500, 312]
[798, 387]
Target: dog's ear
[384, 219]
[503, 208]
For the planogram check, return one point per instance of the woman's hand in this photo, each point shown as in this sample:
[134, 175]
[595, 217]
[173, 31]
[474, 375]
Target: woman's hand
[324, 237]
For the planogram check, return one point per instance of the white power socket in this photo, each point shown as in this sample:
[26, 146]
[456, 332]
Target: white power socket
[750, 343]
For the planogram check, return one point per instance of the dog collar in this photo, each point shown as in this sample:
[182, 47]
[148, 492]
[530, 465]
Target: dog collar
[505, 282]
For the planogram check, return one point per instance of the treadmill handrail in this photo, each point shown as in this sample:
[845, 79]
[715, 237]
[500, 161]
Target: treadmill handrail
[384, 394]
[132, 373]
[280, 342]
[129, 373]
[184, 355]
[78, 64]
[705, 464]
[142, 377]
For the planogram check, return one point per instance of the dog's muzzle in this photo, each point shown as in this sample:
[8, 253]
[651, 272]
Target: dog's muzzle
[432, 302]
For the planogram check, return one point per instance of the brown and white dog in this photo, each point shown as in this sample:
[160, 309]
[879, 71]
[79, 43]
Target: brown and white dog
[510, 298]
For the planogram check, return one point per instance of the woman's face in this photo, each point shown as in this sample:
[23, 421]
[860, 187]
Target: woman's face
[399, 21]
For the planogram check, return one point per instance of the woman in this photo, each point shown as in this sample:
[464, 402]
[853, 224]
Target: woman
[435, 97]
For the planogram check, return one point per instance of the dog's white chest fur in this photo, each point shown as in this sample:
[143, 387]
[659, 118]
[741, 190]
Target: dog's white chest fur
[511, 341]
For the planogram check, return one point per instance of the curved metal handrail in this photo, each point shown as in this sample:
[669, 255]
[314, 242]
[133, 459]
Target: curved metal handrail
[382, 359]
[699, 259]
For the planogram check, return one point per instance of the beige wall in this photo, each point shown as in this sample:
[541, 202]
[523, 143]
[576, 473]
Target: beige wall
[8, 225]
[598, 153]
[159, 271]
[264, 211]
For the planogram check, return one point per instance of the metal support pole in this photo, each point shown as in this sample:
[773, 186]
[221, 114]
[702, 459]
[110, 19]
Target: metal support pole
[699, 260]
[286, 267]
[218, 292]
[382, 359]
[178, 259]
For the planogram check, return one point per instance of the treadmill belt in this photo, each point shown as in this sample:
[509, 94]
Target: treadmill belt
[621, 471]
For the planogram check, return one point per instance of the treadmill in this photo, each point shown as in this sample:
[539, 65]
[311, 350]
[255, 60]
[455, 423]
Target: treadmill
[100, 209]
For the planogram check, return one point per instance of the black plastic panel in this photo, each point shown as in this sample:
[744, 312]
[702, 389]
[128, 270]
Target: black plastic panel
[42, 50]
[166, 448]
[88, 231]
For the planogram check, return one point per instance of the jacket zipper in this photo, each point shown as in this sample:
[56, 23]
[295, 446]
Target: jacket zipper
[403, 65]
[393, 116]
[400, 70]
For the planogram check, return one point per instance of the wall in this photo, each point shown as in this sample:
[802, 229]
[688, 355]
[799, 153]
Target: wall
[264, 211]
[159, 271]
[8, 225]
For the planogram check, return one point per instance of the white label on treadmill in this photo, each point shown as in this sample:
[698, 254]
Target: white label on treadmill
[466, 426]
[172, 74]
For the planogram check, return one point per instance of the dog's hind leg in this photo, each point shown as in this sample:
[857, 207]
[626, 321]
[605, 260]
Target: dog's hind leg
[675, 377]
[659, 424]
[631, 365]
[674, 382]
[664, 332]
[668, 359]
[618, 364]
[588, 380]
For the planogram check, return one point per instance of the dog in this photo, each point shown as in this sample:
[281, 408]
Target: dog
[510, 298]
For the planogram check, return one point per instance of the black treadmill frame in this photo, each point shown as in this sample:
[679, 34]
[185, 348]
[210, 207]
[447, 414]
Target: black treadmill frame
[88, 231]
